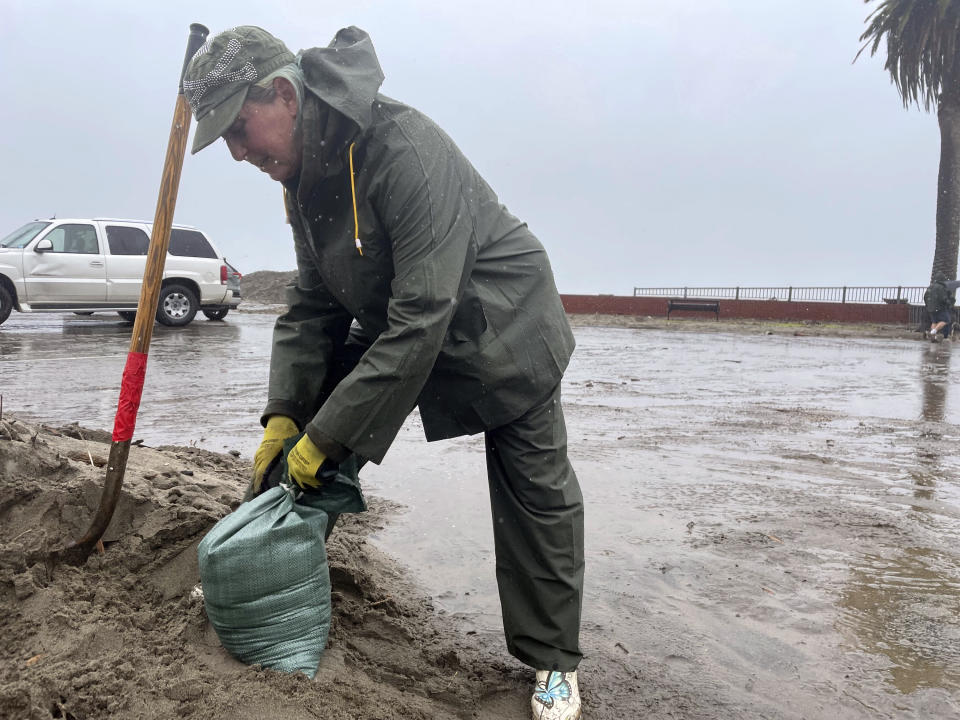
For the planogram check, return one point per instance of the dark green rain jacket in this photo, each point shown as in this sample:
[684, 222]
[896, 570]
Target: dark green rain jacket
[455, 293]
[940, 295]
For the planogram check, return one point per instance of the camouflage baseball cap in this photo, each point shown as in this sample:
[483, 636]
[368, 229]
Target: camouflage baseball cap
[220, 74]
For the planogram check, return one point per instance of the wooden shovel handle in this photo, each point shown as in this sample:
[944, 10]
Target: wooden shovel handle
[135, 370]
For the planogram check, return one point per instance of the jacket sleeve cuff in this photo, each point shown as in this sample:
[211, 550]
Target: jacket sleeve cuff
[293, 410]
[328, 446]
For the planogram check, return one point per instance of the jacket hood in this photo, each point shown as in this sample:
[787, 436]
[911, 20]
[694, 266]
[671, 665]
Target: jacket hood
[346, 74]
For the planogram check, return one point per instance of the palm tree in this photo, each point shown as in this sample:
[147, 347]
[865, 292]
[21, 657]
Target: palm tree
[923, 59]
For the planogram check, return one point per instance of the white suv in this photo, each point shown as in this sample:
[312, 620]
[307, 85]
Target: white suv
[94, 265]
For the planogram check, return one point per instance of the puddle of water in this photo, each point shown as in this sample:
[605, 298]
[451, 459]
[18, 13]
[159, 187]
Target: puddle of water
[905, 608]
[863, 377]
[205, 382]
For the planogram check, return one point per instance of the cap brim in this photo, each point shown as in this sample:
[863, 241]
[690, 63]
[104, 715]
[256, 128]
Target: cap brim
[218, 120]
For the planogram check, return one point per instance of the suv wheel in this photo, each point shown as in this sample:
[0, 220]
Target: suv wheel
[128, 315]
[6, 303]
[178, 305]
[218, 314]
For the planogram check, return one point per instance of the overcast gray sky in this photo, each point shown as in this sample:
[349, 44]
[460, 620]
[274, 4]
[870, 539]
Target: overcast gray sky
[647, 143]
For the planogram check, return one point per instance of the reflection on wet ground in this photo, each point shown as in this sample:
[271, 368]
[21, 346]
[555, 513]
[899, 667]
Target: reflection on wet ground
[775, 518]
[934, 381]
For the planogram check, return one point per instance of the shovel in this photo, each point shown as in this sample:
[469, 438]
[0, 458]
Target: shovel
[134, 371]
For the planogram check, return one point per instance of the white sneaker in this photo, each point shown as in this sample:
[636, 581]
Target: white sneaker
[556, 696]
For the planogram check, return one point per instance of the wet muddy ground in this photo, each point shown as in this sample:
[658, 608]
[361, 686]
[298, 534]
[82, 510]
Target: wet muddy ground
[772, 519]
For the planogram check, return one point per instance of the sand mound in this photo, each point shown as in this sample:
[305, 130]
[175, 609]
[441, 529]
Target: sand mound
[266, 287]
[125, 635]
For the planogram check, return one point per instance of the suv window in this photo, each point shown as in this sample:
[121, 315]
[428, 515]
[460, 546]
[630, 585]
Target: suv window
[125, 240]
[80, 239]
[190, 243]
[21, 236]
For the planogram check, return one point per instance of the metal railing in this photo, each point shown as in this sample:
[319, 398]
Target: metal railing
[912, 295]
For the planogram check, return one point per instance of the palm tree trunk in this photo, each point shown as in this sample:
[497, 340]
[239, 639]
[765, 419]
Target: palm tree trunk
[948, 190]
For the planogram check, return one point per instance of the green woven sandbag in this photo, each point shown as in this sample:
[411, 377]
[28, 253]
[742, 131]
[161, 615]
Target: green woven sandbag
[266, 585]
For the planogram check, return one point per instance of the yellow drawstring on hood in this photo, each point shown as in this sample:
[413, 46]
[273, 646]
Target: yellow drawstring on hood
[353, 192]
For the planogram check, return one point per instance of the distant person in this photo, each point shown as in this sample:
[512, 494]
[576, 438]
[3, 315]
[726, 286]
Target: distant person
[416, 289]
[939, 300]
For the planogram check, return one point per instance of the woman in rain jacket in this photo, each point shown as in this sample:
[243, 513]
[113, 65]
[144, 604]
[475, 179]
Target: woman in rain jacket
[416, 287]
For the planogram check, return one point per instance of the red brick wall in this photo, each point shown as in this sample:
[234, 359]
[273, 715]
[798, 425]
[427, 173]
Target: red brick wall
[741, 309]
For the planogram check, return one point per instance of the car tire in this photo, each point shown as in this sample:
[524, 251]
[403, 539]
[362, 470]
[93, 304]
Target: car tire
[177, 306]
[218, 314]
[6, 304]
[128, 315]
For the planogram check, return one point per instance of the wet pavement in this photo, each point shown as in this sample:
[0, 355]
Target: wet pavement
[772, 521]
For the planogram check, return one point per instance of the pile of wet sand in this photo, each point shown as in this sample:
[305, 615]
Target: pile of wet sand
[125, 635]
[266, 287]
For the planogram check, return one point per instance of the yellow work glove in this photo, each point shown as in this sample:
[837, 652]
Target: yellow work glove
[279, 428]
[303, 463]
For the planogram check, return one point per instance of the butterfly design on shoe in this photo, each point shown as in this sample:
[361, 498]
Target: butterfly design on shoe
[554, 688]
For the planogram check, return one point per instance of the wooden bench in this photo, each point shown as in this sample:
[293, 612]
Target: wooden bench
[694, 305]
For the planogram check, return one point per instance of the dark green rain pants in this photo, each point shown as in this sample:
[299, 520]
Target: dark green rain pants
[537, 532]
[538, 536]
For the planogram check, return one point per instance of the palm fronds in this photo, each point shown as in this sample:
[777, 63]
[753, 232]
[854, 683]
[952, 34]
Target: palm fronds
[923, 47]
